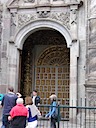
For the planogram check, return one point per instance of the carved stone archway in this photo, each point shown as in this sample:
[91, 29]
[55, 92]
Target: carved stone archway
[32, 27]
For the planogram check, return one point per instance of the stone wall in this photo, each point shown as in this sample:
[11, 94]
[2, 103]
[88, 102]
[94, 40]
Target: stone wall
[91, 53]
[68, 13]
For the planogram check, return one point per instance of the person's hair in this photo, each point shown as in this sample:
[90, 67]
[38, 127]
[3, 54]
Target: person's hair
[11, 89]
[19, 101]
[35, 91]
[28, 100]
[53, 97]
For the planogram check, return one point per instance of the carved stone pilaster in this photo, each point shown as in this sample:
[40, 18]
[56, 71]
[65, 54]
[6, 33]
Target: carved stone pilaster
[73, 21]
[14, 23]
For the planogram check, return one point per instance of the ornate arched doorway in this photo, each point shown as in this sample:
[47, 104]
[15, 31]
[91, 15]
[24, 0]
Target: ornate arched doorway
[46, 66]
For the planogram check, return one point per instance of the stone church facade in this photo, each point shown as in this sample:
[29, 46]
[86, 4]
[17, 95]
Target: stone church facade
[49, 45]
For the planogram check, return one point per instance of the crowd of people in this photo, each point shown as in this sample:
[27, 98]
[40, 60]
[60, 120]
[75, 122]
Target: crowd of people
[17, 112]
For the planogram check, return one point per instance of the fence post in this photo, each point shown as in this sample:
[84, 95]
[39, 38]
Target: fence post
[58, 120]
[85, 112]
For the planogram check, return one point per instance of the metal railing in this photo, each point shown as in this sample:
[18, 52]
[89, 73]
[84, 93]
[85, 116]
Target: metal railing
[78, 117]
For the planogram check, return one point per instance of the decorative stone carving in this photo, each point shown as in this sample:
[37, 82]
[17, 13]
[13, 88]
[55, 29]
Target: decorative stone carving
[92, 99]
[54, 55]
[25, 18]
[73, 22]
[63, 18]
[73, 19]
[43, 14]
[13, 23]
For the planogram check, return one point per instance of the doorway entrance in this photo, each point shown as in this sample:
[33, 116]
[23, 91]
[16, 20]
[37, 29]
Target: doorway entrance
[45, 66]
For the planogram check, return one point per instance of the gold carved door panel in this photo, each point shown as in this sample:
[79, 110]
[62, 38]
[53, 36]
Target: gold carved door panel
[45, 82]
[53, 80]
[52, 76]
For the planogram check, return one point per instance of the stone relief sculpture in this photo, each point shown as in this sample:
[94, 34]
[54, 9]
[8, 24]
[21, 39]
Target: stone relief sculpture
[13, 23]
[73, 23]
[73, 16]
[25, 18]
[43, 14]
[92, 100]
[63, 18]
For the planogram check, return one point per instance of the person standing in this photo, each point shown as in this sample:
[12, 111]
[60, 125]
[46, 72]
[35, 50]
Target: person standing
[33, 113]
[35, 98]
[50, 114]
[18, 115]
[8, 102]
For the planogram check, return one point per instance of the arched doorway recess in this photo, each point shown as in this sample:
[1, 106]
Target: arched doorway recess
[32, 27]
[46, 67]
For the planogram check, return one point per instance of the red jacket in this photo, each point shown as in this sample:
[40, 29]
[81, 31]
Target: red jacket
[19, 110]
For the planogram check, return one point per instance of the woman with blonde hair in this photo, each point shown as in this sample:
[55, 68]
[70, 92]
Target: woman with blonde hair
[33, 113]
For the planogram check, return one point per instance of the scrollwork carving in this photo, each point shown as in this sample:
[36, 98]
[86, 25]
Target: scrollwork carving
[63, 18]
[24, 18]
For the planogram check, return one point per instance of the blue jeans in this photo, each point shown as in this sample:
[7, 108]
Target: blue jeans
[5, 122]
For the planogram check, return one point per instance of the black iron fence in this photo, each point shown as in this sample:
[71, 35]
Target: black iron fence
[78, 117]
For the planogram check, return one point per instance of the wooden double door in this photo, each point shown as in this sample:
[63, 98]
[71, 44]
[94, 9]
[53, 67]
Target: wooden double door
[53, 80]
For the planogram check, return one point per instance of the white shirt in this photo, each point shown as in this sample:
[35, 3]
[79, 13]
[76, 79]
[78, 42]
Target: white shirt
[33, 99]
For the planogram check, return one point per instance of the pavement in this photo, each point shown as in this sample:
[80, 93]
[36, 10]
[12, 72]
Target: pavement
[46, 124]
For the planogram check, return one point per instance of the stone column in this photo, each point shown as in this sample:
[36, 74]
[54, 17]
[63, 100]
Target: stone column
[91, 60]
[4, 48]
[74, 50]
[12, 66]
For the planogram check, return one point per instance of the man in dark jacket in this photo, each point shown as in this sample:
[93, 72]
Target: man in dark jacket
[35, 98]
[8, 102]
